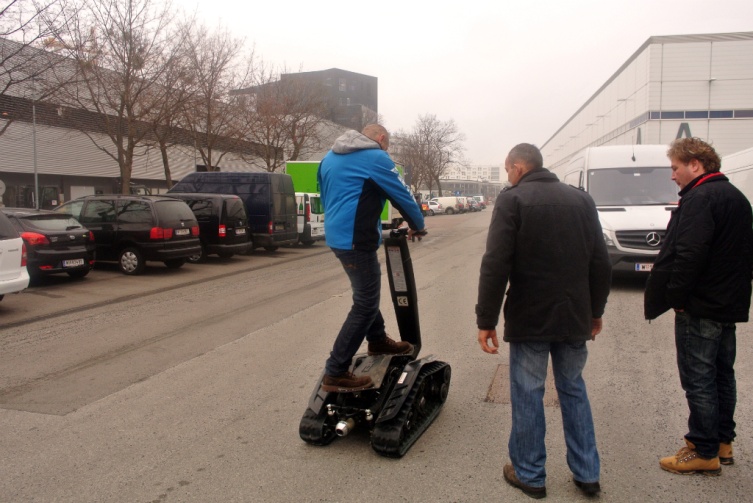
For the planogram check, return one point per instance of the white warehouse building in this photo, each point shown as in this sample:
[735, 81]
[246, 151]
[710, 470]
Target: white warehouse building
[671, 87]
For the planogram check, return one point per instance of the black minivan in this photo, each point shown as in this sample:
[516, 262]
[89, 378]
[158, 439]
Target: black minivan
[131, 230]
[223, 224]
[269, 199]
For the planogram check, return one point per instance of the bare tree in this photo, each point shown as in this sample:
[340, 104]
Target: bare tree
[24, 67]
[118, 53]
[177, 84]
[429, 149]
[285, 115]
[214, 115]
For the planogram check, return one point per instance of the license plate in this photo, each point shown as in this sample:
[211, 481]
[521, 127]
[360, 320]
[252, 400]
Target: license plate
[182, 232]
[73, 263]
[240, 230]
[279, 227]
[316, 231]
[643, 267]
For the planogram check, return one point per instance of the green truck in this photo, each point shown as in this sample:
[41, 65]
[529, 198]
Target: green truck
[303, 174]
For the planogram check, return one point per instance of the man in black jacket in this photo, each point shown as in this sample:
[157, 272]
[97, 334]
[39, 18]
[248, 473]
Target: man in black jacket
[703, 272]
[546, 241]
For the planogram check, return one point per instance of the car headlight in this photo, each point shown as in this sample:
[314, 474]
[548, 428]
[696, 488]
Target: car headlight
[608, 238]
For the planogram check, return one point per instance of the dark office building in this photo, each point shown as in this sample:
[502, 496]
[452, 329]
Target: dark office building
[352, 97]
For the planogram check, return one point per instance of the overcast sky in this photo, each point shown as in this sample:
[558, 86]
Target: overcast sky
[505, 72]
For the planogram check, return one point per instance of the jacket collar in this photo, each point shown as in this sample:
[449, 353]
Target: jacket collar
[538, 174]
[716, 176]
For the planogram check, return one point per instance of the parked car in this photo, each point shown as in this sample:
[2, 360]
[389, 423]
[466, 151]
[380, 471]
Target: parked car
[434, 208]
[269, 200]
[131, 229]
[481, 201]
[223, 224]
[55, 243]
[473, 205]
[449, 204]
[13, 274]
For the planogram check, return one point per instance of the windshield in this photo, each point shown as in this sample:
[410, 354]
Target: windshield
[632, 186]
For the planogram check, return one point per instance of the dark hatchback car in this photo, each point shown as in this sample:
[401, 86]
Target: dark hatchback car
[223, 224]
[55, 243]
[131, 229]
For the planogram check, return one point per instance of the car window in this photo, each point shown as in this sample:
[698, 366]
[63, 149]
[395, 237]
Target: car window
[134, 212]
[51, 222]
[7, 231]
[98, 212]
[234, 209]
[202, 208]
[72, 208]
[317, 207]
[172, 211]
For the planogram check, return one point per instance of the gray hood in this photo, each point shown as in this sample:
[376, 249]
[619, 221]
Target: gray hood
[351, 141]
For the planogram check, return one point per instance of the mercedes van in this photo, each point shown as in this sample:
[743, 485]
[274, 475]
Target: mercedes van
[310, 217]
[634, 195]
[269, 199]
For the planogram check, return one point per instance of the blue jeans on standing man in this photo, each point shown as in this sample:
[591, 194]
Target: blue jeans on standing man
[706, 358]
[528, 368]
[364, 318]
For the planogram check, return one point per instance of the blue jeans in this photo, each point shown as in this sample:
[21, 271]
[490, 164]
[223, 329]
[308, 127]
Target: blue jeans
[364, 318]
[528, 367]
[705, 358]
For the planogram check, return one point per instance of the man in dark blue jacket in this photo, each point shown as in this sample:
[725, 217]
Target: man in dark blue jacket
[703, 272]
[545, 240]
[355, 178]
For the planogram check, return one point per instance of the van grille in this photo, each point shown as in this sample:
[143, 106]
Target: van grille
[641, 240]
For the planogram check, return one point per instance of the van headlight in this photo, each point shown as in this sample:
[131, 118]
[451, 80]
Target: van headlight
[609, 238]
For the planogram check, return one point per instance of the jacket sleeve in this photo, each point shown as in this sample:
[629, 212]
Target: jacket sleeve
[389, 181]
[695, 233]
[497, 262]
[600, 269]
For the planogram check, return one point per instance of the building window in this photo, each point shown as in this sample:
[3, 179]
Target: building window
[720, 114]
[673, 115]
[343, 85]
[697, 114]
[743, 113]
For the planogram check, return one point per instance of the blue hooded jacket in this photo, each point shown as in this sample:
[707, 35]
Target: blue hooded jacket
[355, 179]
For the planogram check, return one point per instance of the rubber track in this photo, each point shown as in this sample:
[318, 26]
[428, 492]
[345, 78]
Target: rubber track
[315, 429]
[386, 437]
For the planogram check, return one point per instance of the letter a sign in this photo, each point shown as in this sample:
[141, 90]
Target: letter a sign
[684, 130]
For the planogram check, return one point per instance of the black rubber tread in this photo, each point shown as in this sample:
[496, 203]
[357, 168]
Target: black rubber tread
[314, 428]
[393, 438]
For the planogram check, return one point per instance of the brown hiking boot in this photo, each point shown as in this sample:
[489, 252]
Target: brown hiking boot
[346, 382]
[725, 453]
[389, 347]
[508, 472]
[687, 461]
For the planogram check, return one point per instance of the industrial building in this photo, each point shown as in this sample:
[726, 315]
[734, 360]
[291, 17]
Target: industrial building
[671, 87]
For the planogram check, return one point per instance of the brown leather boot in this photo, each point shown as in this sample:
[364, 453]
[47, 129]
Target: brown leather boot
[346, 382]
[687, 461]
[389, 347]
[725, 453]
[508, 472]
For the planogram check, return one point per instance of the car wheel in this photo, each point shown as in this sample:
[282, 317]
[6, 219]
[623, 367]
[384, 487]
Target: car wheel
[199, 257]
[450, 211]
[78, 273]
[131, 261]
[175, 263]
[431, 213]
[225, 254]
[271, 248]
[307, 243]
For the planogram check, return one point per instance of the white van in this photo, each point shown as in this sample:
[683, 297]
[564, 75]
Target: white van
[449, 203]
[634, 194]
[310, 217]
[738, 167]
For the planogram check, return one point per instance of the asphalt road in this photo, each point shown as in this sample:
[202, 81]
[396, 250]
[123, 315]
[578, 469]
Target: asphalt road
[188, 386]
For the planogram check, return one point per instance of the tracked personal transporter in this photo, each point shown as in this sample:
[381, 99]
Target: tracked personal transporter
[408, 393]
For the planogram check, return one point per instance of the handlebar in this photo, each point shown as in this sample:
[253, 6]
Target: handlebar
[403, 231]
